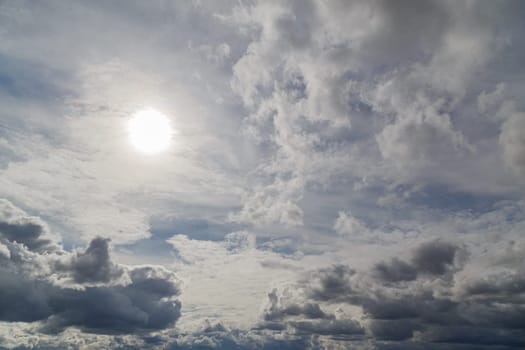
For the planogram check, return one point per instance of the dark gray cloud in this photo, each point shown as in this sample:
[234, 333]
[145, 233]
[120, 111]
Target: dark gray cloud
[400, 330]
[21, 299]
[502, 285]
[31, 292]
[477, 336]
[395, 270]
[405, 301]
[331, 327]
[284, 311]
[237, 341]
[29, 231]
[138, 306]
[332, 284]
[94, 265]
[278, 310]
[433, 258]
[27, 234]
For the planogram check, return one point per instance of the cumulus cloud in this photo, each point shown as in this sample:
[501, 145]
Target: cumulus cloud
[418, 309]
[17, 226]
[396, 270]
[403, 97]
[347, 224]
[278, 310]
[272, 204]
[331, 283]
[503, 285]
[143, 305]
[422, 137]
[286, 311]
[434, 258]
[32, 291]
[431, 259]
[94, 265]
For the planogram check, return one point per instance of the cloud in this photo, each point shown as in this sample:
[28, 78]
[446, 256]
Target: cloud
[347, 224]
[272, 205]
[378, 100]
[334, 165]
[395, 270]
[94, 265]
[205, 265]
[332, 328]
[422, 137]
[72, 132]
[332, 283]
[393, 331]
[433, 259]
[512, 140]
[16, 226]
[33, 291]
[504, 285]
[434, 311]
[278, 310]
[138, 306]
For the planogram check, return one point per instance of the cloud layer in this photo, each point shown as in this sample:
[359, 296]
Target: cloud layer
[342, 174]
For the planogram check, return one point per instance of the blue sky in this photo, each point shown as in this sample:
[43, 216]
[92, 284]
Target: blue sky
[341, 175]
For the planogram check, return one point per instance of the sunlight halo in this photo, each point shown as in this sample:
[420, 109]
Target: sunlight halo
[149, 131]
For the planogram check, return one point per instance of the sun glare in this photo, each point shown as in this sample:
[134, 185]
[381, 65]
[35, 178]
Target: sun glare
[149, 131]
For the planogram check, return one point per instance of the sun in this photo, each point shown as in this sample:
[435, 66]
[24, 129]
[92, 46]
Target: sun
[149, 131]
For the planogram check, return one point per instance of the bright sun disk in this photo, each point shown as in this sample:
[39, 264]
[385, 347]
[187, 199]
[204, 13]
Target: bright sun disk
[149, 131]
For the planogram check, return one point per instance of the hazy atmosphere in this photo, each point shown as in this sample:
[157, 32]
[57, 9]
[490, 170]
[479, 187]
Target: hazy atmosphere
[302, 174]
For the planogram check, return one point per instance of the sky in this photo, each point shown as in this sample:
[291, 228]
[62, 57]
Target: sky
[340, 174]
